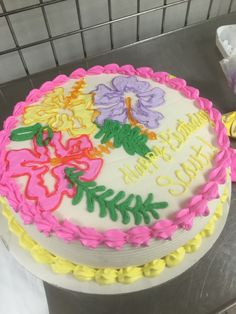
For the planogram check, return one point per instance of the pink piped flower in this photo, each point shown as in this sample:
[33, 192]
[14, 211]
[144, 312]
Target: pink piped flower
[222, 156]
[215, 115]
[45, 222]
[10, 123]
[52, 160]
[67, 231]
[145, 72]
[176, 83]
[204, 103]
[195, 200]
[97, 69]
[111, 68]
[163, 229]
[19, 108]
[34, 96]
[223, 140]
[160, 77]
[139, 236]
[60, 79]
[184, 218]
[47, 86]
[78, 73]
[200, 208]
[127, 69]
[210, 191]
[10, 190]
[89, 237]
[218, 174]
[232, 153]
[190, 92]
[114, 238]
[27, 213]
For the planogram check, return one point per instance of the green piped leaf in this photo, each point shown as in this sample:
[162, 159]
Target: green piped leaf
[78, 196]
[28, 133]
[116, 205]
[40, 140]
[25, 133]
[131, 138]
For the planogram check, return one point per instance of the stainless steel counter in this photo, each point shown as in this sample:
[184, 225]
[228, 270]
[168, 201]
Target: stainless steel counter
[211, 284]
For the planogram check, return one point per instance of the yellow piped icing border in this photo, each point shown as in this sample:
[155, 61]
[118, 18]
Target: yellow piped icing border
[106, 276]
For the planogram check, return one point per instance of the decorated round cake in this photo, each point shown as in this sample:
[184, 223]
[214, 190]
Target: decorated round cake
[114, 174]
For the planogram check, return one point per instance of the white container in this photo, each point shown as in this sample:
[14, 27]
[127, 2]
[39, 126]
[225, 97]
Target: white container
[226, 40]
[20, 291]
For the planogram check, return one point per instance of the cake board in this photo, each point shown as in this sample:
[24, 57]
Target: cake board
[69, 282]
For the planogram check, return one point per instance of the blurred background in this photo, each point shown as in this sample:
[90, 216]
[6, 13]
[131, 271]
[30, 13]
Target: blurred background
[36, 35]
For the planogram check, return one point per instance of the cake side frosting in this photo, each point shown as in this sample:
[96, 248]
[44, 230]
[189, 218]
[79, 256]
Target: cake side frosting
[129, 255]
[49, 223]
[125, 275]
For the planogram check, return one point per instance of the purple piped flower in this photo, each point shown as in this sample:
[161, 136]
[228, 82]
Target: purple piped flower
[129, 100]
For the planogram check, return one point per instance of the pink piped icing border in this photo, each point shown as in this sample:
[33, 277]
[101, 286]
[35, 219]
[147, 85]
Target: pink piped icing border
[47, 223]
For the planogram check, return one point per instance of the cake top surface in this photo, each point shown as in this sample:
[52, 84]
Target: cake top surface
[113, 155]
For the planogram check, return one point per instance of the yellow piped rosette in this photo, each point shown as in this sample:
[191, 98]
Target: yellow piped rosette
[107, 276]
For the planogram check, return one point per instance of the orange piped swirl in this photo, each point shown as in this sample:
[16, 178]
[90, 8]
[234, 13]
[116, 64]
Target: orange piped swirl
[76, 90]
[98, 152]
[149, 134]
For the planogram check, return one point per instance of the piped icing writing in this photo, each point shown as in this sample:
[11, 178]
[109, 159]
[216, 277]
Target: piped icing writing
[168, 143]
[107, 276]
[175, 139]
[196, 162]
[89, 236]
[187, 171]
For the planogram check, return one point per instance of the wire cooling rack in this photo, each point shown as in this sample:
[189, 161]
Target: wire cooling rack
[166, 4]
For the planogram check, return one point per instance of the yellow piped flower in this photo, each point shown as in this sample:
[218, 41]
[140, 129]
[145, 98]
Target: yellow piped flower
[62, 266]
[74, 113]
[219, 211]
[106, 276]
[209, 229]
[224, 196]
[154, 268]
[175, 257]
[3, 202]
[6, 212]
[129, 274]
[26, 242]
[41, 255]
[15, 228]
[194, 244]
[213, 219]
[84, 273]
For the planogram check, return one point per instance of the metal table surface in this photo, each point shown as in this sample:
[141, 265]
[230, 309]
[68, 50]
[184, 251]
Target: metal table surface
[210, 285]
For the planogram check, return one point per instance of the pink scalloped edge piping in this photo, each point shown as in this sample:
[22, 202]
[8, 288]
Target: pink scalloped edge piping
[47, 223]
